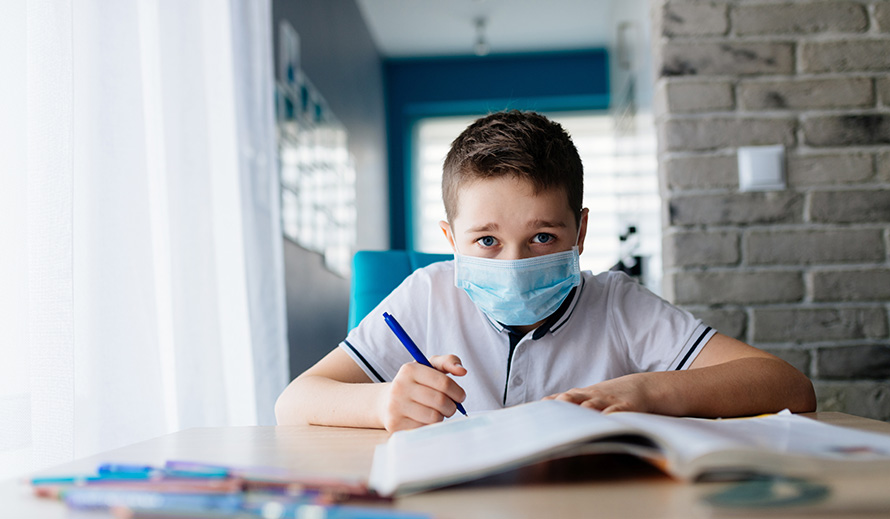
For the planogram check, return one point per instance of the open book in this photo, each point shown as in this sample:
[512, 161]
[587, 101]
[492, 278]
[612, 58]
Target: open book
[463, 449]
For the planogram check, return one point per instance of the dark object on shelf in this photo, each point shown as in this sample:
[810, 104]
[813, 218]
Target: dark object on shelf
[631, 230]
[630, 263]
[634, 270]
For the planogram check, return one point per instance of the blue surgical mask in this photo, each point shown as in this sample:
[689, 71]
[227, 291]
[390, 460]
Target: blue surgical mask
[518, 292]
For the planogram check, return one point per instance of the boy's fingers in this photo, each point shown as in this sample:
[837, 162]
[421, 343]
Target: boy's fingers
[421, 414]
[435, 380]
[441, 404]
[569, 396]
[597, 404]
[448, 364]
[612, 409]
[441, 383]
[414, 404]
[425, 406]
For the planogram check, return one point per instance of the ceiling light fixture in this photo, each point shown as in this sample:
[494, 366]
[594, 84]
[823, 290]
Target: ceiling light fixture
[481, 47]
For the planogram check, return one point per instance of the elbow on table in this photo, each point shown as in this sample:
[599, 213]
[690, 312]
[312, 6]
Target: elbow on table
[809, 403]
[803, 395]
[280, 415]
[286, 410]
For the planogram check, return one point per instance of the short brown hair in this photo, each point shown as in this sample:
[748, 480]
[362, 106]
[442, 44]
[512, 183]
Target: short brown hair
[525, 144]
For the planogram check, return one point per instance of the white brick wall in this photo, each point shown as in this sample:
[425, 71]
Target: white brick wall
[804, 272]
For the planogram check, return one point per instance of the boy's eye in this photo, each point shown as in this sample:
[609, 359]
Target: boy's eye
[543, 237]
[487, 241]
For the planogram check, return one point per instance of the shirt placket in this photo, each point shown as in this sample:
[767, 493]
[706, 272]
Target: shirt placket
[516, 385]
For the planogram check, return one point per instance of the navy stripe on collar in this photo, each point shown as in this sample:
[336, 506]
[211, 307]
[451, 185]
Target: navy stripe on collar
[572, 308]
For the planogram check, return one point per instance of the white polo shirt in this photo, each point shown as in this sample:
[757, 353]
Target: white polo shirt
[609, 326]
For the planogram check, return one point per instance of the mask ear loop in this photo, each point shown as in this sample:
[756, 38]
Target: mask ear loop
[578, 234]
[454, 241]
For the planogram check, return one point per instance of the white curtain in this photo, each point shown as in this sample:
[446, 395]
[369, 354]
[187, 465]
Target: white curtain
[139, 211]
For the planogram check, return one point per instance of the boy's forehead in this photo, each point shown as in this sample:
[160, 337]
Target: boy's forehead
[513, 198]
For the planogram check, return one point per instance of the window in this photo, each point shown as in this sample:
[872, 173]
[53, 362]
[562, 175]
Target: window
[317, 170]
[620, 188]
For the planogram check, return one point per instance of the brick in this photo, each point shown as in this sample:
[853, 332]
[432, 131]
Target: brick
[726, 58]
[806, 93]
[686, 97]
[800, 359]
[687, 249]
[701, 172]
[725, 132]
[866, 361]
[882, 85]
[847, 130]
[882, 164]
[814, 247]
[736, 208]
[731, 322]
[882, 16]
[734, 287]
[845, 56]
[806, 18]
[829, 169]
[865, 206]
[694, 20]
[868, 399]
[851, 285]
[819, 324]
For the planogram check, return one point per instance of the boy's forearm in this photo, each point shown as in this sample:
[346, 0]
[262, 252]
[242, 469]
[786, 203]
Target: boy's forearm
[317, 400]
[740, 387]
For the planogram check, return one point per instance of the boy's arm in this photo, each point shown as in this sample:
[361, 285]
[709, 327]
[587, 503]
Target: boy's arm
[728, 378]
[335, 391]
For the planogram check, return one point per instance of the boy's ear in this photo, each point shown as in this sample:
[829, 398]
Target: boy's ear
[582, 231]
[446, 229]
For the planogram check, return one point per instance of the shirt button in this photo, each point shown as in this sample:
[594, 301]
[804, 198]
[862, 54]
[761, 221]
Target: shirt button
[517, 381]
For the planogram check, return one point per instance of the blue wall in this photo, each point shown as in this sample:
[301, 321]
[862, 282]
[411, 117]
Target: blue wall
[418, 88]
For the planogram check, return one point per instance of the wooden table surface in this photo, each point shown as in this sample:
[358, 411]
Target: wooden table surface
[602, 486]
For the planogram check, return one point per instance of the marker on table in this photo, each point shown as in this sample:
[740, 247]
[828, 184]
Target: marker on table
[412, 348]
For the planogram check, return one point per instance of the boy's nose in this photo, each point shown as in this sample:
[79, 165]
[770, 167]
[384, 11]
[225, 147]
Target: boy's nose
[515, 253]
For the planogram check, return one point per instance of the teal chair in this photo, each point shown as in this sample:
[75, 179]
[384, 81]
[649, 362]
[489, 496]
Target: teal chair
[376, 273]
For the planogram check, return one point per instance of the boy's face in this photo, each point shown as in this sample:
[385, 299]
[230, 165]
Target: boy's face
[503, 218]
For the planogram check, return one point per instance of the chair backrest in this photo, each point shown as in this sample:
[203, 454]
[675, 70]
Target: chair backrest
[376, 273]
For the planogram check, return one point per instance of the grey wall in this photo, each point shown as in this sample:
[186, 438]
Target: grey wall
[803, 272]
[339, 57]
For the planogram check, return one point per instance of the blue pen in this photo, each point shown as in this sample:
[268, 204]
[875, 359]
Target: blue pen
[411, 347]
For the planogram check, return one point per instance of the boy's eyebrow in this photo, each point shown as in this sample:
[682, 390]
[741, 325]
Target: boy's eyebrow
[534, 224]
[491, 226]
[537, 224]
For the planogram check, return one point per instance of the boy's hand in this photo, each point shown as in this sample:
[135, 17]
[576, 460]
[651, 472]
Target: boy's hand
[627, 393]
[419, 395]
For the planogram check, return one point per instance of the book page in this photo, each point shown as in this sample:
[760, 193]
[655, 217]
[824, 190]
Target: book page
[484, 441]
[775, 436]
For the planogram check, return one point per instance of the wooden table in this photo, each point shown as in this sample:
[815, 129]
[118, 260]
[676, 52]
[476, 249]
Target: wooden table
[605, 486]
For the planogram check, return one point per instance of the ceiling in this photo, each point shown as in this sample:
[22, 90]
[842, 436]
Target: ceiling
[412, 28]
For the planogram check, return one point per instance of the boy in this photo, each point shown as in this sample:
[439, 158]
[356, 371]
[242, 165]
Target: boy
[514, 319]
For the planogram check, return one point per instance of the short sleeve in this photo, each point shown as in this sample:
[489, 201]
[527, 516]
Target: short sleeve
[373, 346]
[657, 335]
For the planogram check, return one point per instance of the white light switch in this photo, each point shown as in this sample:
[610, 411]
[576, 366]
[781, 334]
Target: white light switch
[762, 168]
